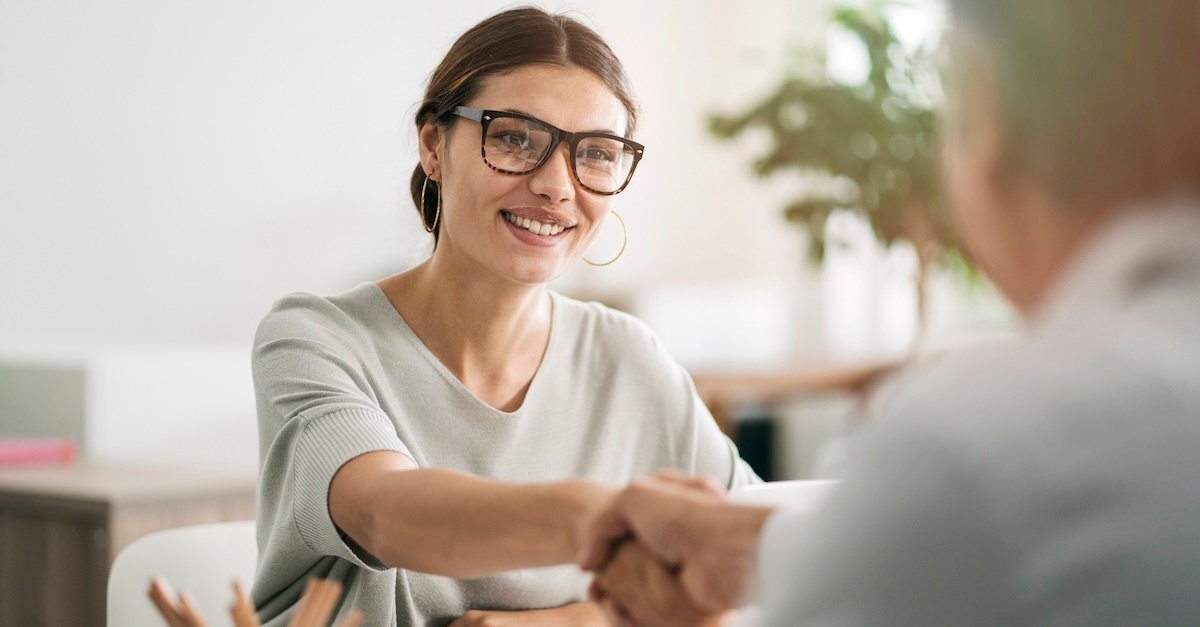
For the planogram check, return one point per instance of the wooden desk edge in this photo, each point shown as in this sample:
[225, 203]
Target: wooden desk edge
[720, 391]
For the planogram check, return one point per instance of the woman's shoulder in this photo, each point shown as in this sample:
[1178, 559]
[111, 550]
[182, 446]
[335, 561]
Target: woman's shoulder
[597, 327]
[308, 315]
[596, 317]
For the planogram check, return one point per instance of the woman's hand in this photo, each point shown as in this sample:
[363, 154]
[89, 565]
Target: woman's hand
[583, 614]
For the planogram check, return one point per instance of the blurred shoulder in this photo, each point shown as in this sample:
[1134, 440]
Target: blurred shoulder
[959, 383]
[1095, 372]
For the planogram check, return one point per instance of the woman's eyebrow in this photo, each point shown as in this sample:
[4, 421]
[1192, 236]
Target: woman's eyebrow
[606, 131]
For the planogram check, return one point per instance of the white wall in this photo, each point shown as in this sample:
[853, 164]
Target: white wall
[169, 169]
[190, 405]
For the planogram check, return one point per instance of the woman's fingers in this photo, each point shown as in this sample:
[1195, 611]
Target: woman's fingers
[164, 600]
[317, 605]
[243, 608]
[190, 611]
[352, 619]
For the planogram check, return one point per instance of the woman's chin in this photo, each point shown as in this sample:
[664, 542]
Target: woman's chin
[533, 274]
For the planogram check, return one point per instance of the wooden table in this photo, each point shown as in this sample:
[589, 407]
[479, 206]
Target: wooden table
[62, 525]
[723, 392]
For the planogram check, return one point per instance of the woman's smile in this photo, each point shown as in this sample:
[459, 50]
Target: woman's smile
[536, 227]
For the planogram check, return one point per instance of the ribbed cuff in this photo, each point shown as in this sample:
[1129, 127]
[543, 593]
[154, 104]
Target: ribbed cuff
[325, 445]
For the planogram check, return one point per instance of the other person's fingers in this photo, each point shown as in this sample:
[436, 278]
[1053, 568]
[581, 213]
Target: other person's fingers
[655, 511]
[701, 484]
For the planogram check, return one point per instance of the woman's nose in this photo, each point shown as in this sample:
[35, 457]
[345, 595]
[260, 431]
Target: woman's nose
[553, 180]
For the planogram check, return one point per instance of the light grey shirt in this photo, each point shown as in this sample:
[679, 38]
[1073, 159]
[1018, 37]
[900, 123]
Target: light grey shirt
[337, 377]
[1051, 481]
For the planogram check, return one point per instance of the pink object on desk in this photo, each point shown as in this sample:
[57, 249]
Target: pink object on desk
[33, 450]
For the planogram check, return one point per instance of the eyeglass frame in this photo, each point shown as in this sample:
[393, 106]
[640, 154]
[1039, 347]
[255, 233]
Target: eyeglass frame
[485, 116]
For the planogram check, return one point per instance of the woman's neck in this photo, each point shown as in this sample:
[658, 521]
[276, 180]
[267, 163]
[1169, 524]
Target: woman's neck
[489, 333]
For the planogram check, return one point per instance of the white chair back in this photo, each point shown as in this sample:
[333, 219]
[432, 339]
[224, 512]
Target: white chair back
[203, 560]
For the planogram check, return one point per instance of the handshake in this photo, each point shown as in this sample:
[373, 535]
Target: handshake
[671, 550]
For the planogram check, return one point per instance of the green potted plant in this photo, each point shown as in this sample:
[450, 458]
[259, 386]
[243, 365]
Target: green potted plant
[871, 146]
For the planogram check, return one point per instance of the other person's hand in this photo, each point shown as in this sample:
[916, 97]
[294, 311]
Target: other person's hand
[634, 589]
[711, 544]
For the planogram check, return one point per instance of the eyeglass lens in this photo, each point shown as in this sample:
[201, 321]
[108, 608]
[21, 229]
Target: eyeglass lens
[518, 145]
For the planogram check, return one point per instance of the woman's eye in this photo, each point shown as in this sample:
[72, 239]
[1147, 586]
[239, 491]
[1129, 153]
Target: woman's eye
[512, 139]
[597, 155]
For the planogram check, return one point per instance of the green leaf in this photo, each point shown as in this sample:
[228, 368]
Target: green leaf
[879, 136]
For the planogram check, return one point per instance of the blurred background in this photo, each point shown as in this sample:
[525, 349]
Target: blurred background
[168, 170]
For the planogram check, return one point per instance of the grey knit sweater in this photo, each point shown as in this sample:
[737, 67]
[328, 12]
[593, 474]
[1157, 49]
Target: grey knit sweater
[341, 376]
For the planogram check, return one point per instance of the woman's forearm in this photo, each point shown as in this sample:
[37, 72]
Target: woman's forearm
[459, 525]
[450, 523]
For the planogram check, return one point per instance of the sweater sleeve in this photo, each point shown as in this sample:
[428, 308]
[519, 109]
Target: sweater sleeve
[714, 455]
[700, 446]
[317, 411]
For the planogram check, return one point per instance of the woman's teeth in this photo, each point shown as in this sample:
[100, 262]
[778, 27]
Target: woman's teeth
[533, 226]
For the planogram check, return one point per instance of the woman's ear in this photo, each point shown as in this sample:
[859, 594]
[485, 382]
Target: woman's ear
[431, 143]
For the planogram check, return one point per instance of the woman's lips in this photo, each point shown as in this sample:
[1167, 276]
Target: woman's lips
[535, 232]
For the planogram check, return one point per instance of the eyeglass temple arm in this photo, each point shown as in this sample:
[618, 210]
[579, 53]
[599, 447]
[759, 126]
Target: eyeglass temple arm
[469, 113]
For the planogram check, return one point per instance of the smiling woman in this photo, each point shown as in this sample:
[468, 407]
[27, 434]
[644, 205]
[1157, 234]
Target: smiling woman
[523, 169]
[437, 439]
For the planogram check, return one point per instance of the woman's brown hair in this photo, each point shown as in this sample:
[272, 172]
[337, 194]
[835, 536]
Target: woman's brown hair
[500, 44]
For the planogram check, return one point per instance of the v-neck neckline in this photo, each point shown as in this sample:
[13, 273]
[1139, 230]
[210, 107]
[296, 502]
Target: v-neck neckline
[454, 381]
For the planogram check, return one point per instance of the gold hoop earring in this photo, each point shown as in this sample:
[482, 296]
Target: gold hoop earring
[438, 213]
[624, 242]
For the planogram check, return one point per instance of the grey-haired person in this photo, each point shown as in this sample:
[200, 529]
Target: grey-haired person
[1053, 480]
